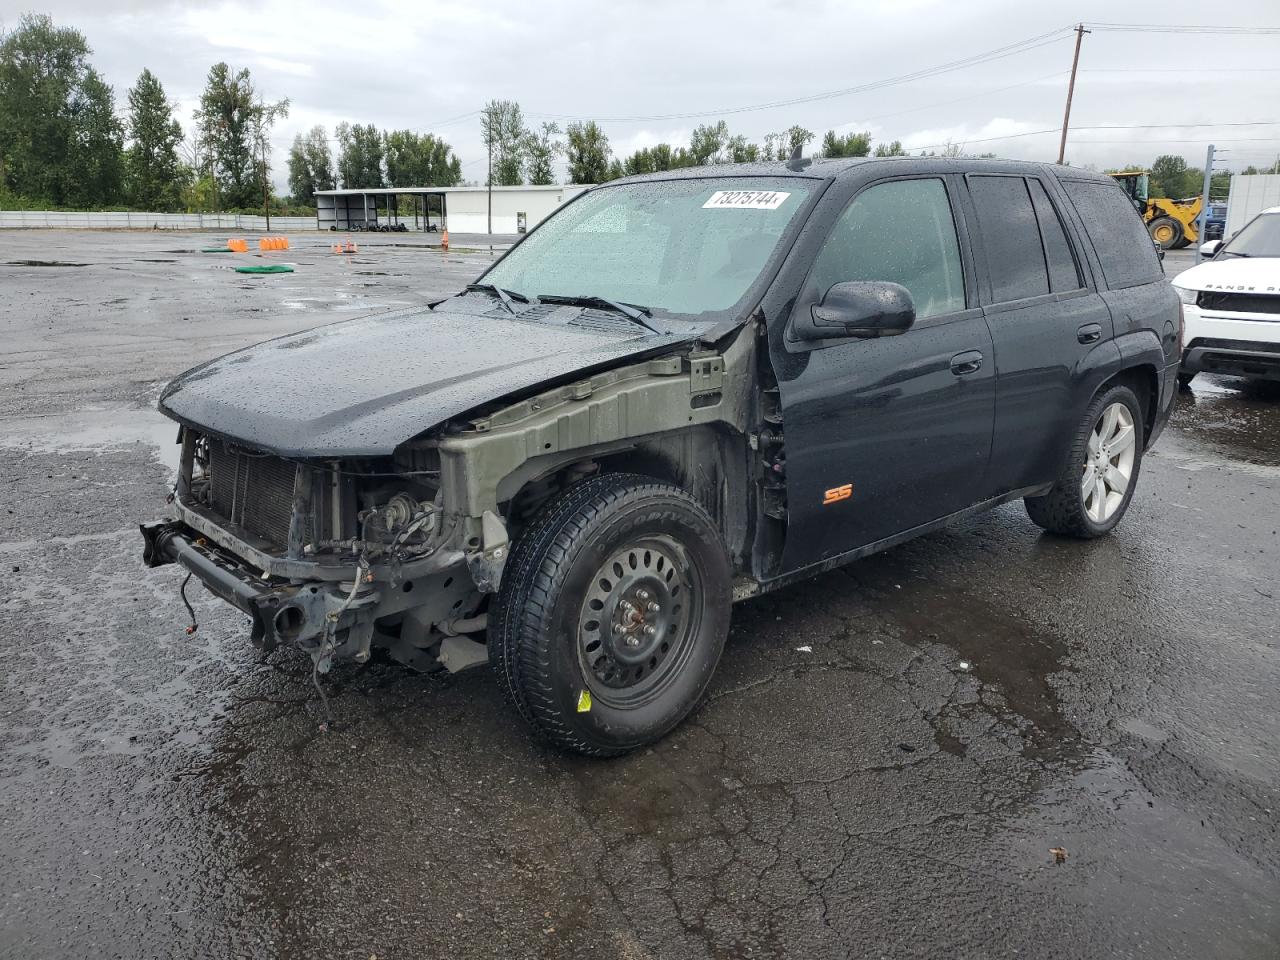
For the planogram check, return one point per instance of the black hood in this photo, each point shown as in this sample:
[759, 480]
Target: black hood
[363, 387]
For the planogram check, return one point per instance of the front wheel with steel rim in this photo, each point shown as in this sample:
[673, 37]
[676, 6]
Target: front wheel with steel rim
[612, 615]
[1093, 492]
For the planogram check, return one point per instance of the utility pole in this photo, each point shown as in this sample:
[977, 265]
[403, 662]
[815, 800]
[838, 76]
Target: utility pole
[1071, 90]
[491, 182]
[266, 205]
[1204, 203]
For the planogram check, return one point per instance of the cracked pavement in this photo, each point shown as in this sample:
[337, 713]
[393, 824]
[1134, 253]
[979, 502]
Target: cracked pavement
[963, 705]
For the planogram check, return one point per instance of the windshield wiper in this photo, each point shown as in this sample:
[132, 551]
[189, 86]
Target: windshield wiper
[633, 312]
[1234, 253]
[506, 296]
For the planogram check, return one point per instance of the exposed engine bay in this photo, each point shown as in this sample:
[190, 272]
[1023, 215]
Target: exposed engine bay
[402, 552]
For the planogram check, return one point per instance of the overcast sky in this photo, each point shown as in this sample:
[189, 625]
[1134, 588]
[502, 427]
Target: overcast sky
[428, 66]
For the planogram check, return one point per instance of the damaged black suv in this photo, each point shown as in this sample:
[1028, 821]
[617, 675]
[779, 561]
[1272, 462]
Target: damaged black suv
[677, 392]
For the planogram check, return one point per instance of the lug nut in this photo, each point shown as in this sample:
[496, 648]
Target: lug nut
[650, 630]
[653, 607]
[633, 641]
[642, 594]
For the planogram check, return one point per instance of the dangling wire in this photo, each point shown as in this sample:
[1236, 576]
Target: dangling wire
[182, 591]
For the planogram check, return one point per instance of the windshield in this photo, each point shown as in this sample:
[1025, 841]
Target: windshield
[679, 246]
[1259, 238]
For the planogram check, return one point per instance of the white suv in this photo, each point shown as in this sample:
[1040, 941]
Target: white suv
[1232, 305]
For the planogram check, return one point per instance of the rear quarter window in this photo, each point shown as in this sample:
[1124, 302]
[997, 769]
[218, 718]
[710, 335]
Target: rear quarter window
[1119, 237]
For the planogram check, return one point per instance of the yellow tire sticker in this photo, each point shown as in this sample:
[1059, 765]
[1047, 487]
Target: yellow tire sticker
[584, 702]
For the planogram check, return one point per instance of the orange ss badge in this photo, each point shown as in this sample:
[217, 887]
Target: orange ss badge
[836, 494]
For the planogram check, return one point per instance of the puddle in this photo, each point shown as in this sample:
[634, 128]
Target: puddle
[44, 263]
[95, 428]
[1225, 424]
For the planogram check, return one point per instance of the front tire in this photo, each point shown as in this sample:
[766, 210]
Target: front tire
[612, 615]
[1095, 488]
[1166, 232]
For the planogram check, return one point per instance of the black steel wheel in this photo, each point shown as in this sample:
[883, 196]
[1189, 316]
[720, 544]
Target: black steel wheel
[612, 615]
[643, 608]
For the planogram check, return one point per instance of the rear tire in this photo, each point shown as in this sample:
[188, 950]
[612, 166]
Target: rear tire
[1166, 232]
[1095, 487]
[612, 614]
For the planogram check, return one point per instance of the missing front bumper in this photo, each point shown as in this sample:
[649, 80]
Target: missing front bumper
[293, 612]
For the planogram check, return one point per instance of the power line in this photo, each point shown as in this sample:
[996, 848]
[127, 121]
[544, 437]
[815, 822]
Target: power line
[989, 56]
[1183, 70]
[972, 96]
[1134, 126]
[1184, 28]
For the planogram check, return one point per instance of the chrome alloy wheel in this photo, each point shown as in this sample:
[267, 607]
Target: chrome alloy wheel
[1108, 463]
[638, 621]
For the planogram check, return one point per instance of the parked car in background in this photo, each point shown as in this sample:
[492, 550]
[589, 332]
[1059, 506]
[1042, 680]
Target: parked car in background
[1232, 305]
[676, 392]
[1215, 222]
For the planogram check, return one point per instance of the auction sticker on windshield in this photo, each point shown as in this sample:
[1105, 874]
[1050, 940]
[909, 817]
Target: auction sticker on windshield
[746, 199]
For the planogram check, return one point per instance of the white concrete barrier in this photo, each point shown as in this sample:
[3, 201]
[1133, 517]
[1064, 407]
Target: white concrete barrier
[111, 220]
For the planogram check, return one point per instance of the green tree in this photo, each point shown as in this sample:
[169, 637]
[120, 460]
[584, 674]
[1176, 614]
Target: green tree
[310, 165]
[503, 133]
[1169, 176]
[415, 160]
[780, 146]
[587, 152]
[200, 195]
[893, 149]
[540, 150]
[709, 143]
[847, 145]
[60, 141]
[360, 152]
[740, 151]
[235, 125]
[97, 163]
[154, 172]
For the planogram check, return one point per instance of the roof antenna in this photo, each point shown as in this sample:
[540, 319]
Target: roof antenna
[797, 163]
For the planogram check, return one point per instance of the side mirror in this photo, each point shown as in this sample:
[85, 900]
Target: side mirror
[1210, 248]
[861, 308]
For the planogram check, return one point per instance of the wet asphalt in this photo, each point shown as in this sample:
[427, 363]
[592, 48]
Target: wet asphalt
[888, 758]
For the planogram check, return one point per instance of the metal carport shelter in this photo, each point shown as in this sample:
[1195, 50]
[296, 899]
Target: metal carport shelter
[475, 209]
[373, 208]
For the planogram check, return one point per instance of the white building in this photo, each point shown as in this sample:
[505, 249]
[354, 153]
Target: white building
[1249, 196]
[460, 209]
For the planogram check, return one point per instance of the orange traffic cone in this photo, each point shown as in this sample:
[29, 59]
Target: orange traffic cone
[444, 240]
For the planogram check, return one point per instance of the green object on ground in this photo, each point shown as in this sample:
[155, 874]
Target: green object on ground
[273, 268]
[217, 250]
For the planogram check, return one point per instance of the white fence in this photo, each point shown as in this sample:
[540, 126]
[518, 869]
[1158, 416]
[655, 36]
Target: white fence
[54, 219]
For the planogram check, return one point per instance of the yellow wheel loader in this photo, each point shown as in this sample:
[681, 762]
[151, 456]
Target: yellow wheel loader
[1171, 223]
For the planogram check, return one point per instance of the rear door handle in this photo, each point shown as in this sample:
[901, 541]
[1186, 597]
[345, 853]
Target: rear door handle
[965, 363]
[1089, 333]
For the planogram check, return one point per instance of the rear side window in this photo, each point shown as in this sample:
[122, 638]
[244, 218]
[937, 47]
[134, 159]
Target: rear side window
[1064, 275]
[1010, 237]
[1128, 256]
[901, 231]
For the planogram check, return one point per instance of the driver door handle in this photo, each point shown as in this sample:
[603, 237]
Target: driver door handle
[966, 363]
[1089, 333]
